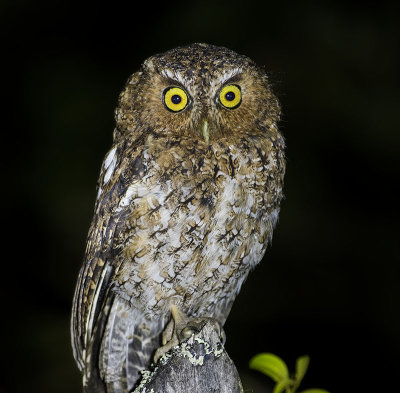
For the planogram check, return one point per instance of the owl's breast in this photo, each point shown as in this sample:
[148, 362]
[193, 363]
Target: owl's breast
[199, 219]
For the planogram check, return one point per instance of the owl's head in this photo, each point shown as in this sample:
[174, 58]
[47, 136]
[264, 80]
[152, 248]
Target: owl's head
[199, 91]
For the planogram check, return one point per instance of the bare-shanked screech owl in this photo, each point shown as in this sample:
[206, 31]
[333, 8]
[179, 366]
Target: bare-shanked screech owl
[188, 197]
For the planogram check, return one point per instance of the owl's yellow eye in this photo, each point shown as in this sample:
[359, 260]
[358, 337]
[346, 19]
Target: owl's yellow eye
[230, 96]
[175, 99]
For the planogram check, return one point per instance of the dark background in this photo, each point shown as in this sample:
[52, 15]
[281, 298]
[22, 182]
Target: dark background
[329, 285]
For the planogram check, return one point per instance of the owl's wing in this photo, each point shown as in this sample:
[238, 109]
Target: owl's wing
[98, 268]
[108, 342]
[91, 291]
[93, 287]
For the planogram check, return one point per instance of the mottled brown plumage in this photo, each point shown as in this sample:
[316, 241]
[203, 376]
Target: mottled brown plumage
[187, 202]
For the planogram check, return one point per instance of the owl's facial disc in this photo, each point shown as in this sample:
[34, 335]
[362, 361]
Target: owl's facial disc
[228, 97]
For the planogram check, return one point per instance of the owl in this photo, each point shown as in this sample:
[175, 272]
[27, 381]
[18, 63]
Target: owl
[188, 197]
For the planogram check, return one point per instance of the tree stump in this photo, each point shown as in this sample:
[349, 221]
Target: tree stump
[198, 364]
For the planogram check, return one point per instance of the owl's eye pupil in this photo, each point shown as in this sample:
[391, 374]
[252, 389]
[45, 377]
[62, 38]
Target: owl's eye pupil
[176, 99]
[230, 96]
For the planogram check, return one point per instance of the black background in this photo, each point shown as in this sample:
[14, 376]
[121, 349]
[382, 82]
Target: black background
[328, 286]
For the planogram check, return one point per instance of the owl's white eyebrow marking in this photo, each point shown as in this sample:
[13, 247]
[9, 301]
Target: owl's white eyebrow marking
[221, 80]
[226, 75]
[174, 75]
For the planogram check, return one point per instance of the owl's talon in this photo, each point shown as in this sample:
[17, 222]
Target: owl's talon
[168, 332]
[180, 328]
[188, 331]
[160, 352]
[169, 335]
[222, 336]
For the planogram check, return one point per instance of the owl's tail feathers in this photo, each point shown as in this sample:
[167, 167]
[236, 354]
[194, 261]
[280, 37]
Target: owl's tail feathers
[92, 380]
[122, 346]
[141, 350]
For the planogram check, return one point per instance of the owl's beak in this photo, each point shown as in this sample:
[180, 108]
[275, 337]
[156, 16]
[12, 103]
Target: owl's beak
[206, 134]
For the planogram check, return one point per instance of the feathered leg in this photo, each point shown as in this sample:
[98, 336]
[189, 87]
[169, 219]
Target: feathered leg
[180, 328]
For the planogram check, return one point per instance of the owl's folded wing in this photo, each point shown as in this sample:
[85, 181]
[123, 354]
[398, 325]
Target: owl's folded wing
[101, 257]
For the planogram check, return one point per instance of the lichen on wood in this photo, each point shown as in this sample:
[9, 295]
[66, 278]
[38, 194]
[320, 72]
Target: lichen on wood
[198, 364]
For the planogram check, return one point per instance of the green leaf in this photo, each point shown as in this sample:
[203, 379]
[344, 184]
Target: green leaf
[301, 368]
[281, 385]
[314, 391]
[271, 365]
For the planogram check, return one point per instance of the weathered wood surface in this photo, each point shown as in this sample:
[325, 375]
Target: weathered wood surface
[198, 364]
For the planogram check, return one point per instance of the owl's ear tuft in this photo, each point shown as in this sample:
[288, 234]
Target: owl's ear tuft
[133, 80]
[148, 64]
